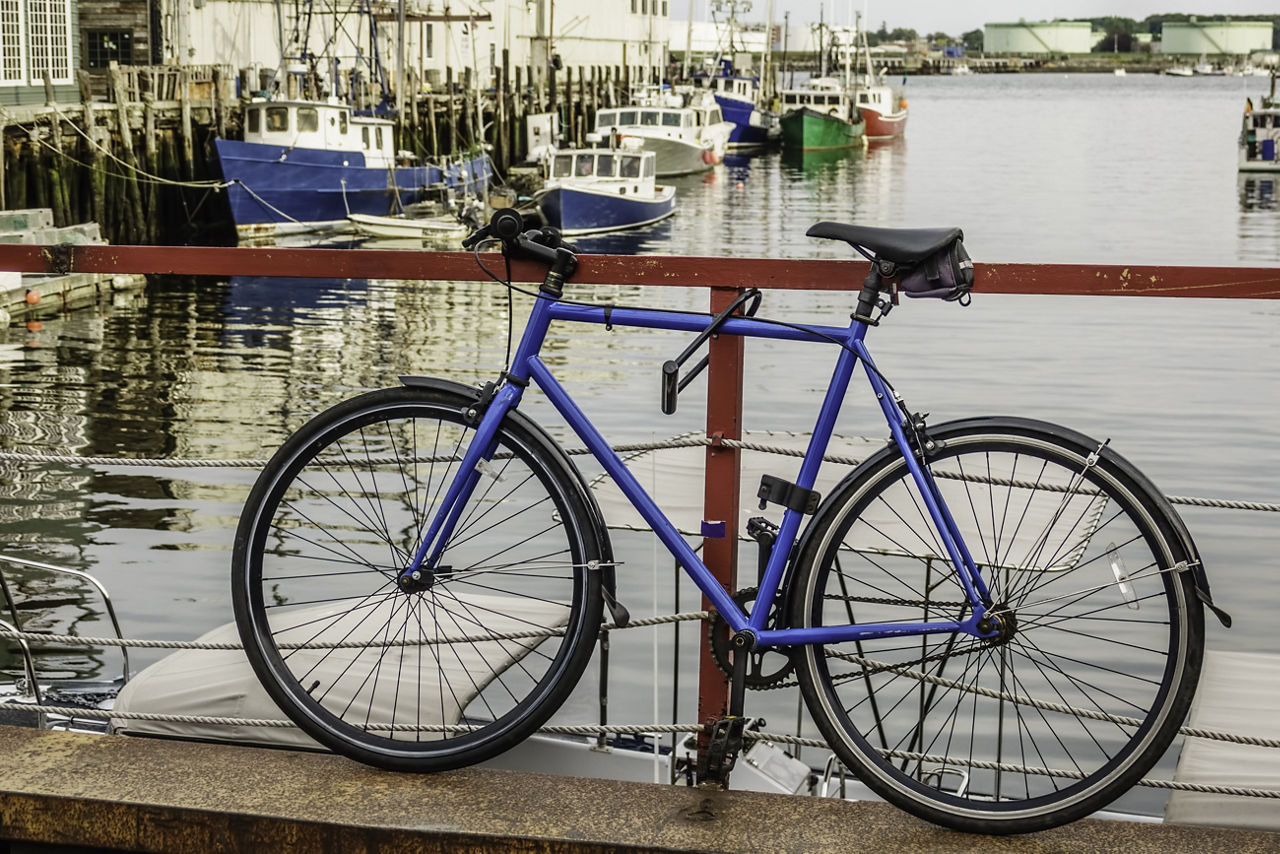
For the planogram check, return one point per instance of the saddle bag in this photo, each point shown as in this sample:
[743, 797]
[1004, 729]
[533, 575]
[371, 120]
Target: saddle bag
[947, 274]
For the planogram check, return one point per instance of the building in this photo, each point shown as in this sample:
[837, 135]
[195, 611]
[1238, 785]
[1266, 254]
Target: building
[1233, 38]
[1043, 37]
[38, 38]
[438, 36]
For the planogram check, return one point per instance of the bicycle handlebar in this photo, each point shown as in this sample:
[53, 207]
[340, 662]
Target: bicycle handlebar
[538, 243]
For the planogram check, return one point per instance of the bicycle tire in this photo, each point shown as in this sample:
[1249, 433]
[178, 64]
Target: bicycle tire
[961, 732]
[433, 678]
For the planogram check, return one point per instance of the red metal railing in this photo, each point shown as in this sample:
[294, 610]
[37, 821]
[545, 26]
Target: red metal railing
[724, 277]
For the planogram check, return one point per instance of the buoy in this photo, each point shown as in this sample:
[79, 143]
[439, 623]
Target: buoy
[741, 185]
[33, 297]
[902, 103]
[34, 326]
[708, 156]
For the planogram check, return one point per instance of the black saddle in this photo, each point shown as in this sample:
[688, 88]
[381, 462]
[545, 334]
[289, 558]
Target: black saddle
[899, 245]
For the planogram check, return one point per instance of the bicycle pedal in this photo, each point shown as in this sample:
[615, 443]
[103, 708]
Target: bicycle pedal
[724, 743]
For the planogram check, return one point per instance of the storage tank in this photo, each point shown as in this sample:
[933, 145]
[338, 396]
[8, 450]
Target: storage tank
[1216, 37]
[1042, 37]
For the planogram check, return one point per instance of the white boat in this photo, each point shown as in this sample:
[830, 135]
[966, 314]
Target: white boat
[591, 190]
[443, 227]
[1259, 143]
[1120, 72]
[1179, 71]
[685, 138]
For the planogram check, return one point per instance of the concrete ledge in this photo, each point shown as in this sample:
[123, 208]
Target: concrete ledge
[112, 792]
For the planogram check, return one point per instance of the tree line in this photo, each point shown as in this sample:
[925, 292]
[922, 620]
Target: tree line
[1121, 33]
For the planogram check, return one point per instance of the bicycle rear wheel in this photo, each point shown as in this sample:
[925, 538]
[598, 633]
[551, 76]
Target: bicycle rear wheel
[1089, 680]
[486, 648]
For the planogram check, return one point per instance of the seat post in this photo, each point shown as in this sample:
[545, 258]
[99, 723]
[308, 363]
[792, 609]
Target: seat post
[869, 295]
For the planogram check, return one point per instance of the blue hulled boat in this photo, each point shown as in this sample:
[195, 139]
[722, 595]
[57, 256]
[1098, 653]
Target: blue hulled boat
[740, 102]
[307, 165]
[591, 190]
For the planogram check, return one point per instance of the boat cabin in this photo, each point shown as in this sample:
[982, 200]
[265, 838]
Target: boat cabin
[311, 124]
[822, 95]
[672, 118]
[879, 98]
[1260, 140]
[630, 171]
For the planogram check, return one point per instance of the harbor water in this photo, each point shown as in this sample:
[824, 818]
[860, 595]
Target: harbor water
[1035, 168]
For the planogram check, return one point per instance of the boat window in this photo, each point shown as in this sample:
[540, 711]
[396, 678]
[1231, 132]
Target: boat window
[342, 122]
[649, 117]
[277, 119]
[563, 166]
[583, 165]
[648, 167]
[606, 118]
[713, 117]
[308, 119]
[671, 120]
[378, 131]
[630, 167]
[788, 98]
[255, 121]
[605, 165]
[364, 136]
[863, 99]
[627, 117]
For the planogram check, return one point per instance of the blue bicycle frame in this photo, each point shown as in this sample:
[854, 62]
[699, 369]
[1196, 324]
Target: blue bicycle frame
[526, 366]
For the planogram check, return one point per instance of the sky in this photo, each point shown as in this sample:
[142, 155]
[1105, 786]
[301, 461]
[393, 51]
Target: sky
[958, 16]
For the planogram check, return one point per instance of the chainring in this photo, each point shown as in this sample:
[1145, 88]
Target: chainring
[765, 668]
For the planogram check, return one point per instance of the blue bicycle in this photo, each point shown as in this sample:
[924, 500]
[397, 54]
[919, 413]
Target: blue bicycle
[997, 623]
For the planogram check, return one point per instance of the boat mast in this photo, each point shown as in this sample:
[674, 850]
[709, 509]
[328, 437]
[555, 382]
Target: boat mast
[688, 40]
[766, 73]
[822, 49]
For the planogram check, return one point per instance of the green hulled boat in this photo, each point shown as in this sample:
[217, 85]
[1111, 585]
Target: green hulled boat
[820, 116]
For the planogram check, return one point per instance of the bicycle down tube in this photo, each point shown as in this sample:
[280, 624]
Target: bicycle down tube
[527, 366]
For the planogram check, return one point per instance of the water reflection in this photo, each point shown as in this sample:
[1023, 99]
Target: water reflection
[1259, 218]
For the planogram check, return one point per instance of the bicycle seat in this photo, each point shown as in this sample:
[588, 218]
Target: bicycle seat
[899, 245]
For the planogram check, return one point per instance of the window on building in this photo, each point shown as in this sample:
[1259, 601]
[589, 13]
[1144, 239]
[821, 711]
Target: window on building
[277, 119]
[12, 36]
[107, 46]
[49, 38]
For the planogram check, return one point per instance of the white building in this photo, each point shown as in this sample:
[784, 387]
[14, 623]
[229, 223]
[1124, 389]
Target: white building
[1041, 37]
[1236, 38]
[437, 36]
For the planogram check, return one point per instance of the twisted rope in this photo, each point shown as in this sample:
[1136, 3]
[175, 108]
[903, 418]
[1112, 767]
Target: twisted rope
[631, 729]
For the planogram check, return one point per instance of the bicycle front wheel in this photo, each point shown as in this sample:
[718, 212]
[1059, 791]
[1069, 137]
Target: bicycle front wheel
[1096, 660]
[464, 664]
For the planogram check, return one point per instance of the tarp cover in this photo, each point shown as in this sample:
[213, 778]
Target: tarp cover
[218, 683]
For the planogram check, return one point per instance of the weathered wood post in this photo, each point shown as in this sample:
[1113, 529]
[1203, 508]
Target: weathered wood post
[132, 221]
[188, 149]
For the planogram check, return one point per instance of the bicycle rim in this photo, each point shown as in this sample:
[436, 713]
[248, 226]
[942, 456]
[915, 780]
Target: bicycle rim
[1093, 671]
[475, 657]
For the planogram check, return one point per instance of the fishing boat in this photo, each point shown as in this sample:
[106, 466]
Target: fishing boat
[883, 108]
[687, 136]
[309, 165]
[1259, 142]
[593, 190]
[820, 116]
[740, 101]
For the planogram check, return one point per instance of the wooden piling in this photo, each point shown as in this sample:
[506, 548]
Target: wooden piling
[151, 151]
[184, 99]
[132, 219]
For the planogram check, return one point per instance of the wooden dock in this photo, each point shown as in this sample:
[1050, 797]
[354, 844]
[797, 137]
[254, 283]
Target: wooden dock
[112, 793]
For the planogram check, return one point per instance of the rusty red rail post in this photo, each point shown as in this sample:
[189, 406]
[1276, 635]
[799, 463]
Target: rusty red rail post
[720, 500]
